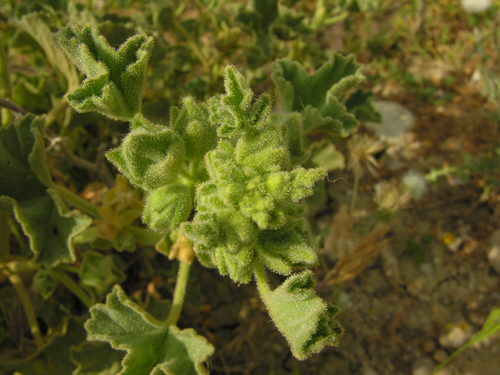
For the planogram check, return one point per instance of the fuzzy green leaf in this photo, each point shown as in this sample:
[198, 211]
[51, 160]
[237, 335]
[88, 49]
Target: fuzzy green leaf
[115, 78]
[150, 155]
[307, 322]
[233, 112]
[152, 347]
[319, 94]
[287, 247]
[44, 217]
[98, 273]
[96, 358]
[168, 206]
[192, 123]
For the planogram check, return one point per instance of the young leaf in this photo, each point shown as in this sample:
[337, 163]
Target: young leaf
[168, 206]
[152, 347]
[307, 322]
[150, 155]
[318, 96]
[44, 217]
[44, 283]
[115, 78]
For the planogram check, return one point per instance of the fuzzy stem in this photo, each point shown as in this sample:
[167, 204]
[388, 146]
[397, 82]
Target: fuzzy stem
[72, 286]
[354, 194]
[179, 293]
[18, 284]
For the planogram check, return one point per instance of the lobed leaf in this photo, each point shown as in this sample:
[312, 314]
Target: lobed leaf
[307, 322]
[115, 78]
[152, 347]
[318, 96]
[44, 217]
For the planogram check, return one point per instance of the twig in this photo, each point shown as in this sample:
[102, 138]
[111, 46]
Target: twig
[98, 167]
[6, 103]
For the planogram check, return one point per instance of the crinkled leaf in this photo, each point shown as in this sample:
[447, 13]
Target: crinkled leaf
[290, 246]
[98, 273]
[152, 347]
[44, 217]
[168, 206]
[307, 322]
[96, 358]
[115, 78]
[150, 156]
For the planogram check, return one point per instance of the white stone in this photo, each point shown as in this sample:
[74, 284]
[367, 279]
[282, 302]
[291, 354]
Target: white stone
[423, 366]
[455, 337]
[396, 119]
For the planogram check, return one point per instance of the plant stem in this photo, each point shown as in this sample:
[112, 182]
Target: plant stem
[192, 44]
[18, 284]
[5, 87]
[261, 280]
[72, 286]
[354, 194]
[179, 293]
[76, 201]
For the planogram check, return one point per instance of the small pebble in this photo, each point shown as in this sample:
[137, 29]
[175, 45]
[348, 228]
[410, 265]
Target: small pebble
[368, 370]
[423, 366]
[494, 252]
[455, 337]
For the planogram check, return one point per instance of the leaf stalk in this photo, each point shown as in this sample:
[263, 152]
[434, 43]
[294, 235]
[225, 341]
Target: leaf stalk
[179, 293]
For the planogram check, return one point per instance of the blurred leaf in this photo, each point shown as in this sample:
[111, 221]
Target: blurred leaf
[44, 283]
[98, 273]
[44, 217]
[96, 358]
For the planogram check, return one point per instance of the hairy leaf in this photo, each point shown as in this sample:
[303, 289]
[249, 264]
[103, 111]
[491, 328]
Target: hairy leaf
[115, 78]
[150, 155]
[169, 206]
[248, 207]
[152, 347]
[307, 322]
[361, 106]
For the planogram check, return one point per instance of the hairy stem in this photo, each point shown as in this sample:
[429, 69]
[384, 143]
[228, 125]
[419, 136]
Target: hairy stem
[72, 286]
[179, 293]
[18, 284]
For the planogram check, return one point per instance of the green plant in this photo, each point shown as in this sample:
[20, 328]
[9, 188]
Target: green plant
[223, 179]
